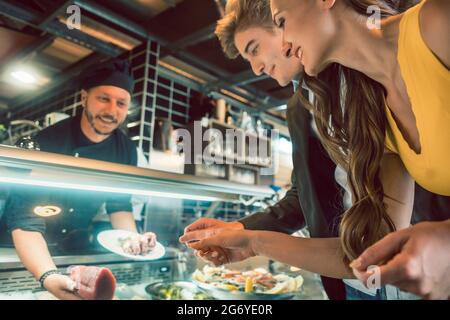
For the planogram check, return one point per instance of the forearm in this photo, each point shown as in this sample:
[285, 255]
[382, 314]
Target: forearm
[398, 187]
[33, 251]
[319, 255]
[123, 220]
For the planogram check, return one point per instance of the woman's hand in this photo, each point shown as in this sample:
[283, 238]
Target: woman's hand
[202, 228]
[416, 260]
[61, 286]
[225, 246]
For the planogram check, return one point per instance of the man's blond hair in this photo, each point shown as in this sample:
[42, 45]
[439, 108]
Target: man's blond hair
[239, 16]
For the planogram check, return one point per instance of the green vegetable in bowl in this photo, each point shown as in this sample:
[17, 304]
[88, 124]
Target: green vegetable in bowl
[201, 296]
[171, 292]
[175, 292]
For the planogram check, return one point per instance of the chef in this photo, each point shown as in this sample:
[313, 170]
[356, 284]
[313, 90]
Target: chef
[37, 216]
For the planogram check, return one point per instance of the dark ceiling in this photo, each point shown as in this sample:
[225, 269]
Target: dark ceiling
[31, 31]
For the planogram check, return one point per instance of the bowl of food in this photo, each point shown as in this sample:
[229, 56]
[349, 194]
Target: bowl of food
[256, 284]
[176, 290]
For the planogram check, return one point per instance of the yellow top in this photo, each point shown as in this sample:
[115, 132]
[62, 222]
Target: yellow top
[428, 85]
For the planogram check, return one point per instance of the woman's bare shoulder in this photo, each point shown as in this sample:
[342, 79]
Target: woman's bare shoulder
[435, 28]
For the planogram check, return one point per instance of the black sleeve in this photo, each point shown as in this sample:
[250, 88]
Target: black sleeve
[122, 202]
[285, 216]
[19, 212]
[118, 203]
[128, 150]
[134, 158]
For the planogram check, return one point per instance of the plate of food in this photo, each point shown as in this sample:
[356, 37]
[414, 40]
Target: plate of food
[176, 290]
[132, 245]
[256, 284]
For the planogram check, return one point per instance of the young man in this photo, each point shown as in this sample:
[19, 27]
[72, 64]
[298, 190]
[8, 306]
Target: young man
[94, 134]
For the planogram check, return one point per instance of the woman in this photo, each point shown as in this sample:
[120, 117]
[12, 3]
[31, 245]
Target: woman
[332, 40]
[382, 70]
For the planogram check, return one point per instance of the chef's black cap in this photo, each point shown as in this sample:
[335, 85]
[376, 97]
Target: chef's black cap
[115, 73]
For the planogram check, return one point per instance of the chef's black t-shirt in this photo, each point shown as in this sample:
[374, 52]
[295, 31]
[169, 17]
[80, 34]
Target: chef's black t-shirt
[78, 207]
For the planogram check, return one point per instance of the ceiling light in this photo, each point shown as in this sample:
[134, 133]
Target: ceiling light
[24, 77]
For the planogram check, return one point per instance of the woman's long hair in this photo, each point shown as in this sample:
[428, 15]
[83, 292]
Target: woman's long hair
[349, 109]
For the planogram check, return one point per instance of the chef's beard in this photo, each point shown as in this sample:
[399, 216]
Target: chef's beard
[91, 119]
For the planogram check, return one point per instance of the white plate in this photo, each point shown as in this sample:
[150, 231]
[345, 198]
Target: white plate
[224, 294]
[109, 239]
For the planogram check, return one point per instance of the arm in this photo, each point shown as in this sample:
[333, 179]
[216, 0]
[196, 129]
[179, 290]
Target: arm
[416, 260]
[319, 255]
[33, 252]
[323, 255]
[285, 216]
[26, 230]
[123, 220]
[398, 188]
[140, 244]
[119, 210]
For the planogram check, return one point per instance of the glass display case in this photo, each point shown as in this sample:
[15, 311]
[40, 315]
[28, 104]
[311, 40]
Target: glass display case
[161, 202]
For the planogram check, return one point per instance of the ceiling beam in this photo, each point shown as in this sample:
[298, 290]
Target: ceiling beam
[113, 17]
[137, 29]
[247, 77]
[21, 57]
[55, 13]
[199, 36]
[58, 29]
[199, 63]
[262, 103]
[257, 98]
[35, 47]
[205, 89]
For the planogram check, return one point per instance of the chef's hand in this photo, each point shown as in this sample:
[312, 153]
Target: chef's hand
[147, 242]
[205, 227]
[225, 246]
[416, 260]
[61, 286]
[140, 244]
